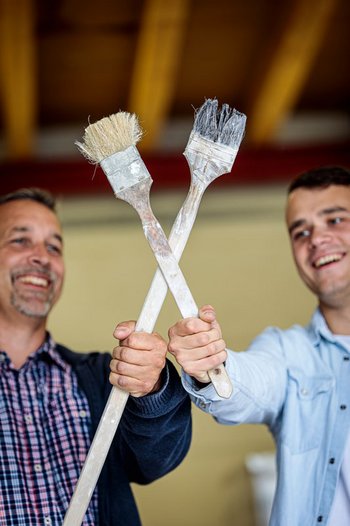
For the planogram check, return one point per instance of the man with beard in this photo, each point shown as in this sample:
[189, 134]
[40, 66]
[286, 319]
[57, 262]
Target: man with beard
[295, 381]
[51, 398]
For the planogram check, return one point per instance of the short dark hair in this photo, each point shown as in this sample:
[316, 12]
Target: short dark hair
[33, 194]
[321, 178]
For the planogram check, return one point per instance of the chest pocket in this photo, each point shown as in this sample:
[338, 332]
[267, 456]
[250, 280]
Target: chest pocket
[306, 412]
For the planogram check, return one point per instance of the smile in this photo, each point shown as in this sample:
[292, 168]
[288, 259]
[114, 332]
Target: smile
[37, 281]
[326, 260]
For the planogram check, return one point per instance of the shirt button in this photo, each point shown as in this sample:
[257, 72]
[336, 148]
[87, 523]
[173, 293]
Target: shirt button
[319, 518]
[47, 520]
[37, 467]
[28, 419]
[342, 407]
[82, 413]
[332, 460]
[346, 358]
[304, 391]
[2, 357]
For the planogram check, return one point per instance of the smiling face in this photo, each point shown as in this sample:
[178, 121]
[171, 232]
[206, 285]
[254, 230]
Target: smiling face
[31, 261]
[318, 221]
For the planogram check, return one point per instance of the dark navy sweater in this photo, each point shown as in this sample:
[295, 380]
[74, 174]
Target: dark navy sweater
[152, 438]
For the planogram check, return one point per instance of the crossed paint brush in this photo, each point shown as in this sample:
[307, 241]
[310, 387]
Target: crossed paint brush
[210, 152]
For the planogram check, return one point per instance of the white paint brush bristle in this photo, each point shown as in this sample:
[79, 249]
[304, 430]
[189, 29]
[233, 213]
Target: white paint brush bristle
[224, 126]
[110, 135]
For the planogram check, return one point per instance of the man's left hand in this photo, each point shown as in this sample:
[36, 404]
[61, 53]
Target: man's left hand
[138, 360]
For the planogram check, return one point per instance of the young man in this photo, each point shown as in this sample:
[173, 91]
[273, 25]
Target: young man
[51, 398]
[295, 381]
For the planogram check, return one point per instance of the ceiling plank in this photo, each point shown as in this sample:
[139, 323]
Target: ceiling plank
[284, 78]
[155, 70]
[18, 76]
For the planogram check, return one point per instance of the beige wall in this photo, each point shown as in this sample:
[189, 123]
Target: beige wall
[238, 258]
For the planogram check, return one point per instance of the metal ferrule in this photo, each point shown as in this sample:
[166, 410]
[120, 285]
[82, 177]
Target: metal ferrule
[207, 158]
[124, 169]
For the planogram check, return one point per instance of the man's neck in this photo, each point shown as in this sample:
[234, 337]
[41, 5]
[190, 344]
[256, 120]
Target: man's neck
[337, 318]
[19, 340]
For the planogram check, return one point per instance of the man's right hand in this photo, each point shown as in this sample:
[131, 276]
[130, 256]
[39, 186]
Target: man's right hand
[197, 344]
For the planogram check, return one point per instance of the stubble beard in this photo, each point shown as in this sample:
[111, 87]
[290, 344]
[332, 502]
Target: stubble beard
[35, 304]
[24, 306]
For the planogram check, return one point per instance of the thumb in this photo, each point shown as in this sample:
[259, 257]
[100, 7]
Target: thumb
[207, 314]
[124, 329]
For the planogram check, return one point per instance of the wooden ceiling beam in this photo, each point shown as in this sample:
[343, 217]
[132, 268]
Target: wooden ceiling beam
[158, 53]
[283, 79]
[18, 76]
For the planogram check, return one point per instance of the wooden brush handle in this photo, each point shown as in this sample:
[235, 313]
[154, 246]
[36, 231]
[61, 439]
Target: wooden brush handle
[138, 197]
[96, 457]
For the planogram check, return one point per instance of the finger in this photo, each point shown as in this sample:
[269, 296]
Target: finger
[196, 351]
[187, 327]
[124, 329]
[194, 341]
[199, 368]
[207, 313]
[142, 357]
[145, 341]
[138, 381]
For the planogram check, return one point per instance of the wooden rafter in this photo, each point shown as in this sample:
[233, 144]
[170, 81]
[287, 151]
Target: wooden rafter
[18, 76]
[284, 78]
[157, 57]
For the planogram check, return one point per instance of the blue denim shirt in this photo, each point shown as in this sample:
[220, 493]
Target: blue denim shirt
[297, 382]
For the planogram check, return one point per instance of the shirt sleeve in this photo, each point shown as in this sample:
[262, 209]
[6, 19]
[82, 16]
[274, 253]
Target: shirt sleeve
[259, 379]
[155, 431]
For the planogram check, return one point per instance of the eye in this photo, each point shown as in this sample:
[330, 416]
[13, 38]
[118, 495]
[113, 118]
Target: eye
[54, 249]
[336, 220]
[301, 234]
[20, 241]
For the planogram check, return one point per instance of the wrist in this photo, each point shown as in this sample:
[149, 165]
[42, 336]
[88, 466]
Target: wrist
[200, 385]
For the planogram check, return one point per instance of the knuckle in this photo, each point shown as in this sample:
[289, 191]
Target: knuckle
[161, 347]
[191, 325]
[122, 381]
[123, 354]
[203, 339]
[148, 386]
[112, 365]
[160, 362]
[120, 367]
[131, 340]
[172, 347]
[214, 361]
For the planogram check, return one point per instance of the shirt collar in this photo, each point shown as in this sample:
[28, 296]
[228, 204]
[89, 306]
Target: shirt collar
[47, 351]
[318, 329]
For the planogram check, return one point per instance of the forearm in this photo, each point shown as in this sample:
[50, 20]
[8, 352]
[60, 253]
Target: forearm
[258, 389]
[156, 429]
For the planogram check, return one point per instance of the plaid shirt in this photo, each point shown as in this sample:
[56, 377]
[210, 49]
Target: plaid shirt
[44, 439]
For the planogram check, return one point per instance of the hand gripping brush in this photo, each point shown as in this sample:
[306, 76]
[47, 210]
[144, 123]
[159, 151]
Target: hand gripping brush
[211, 151]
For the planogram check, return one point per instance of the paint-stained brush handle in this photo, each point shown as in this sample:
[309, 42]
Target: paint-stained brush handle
[138, 197]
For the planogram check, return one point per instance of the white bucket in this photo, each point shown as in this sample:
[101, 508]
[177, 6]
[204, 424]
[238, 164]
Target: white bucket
[262, 470]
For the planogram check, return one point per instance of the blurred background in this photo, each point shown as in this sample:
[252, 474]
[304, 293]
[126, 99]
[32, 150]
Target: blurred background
[66, 63]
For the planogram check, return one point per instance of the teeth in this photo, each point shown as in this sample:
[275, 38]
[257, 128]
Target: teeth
[34, 280]
[327, 259]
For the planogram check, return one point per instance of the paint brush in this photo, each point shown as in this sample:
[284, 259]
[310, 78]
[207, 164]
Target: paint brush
[210, 152]
[111, 142]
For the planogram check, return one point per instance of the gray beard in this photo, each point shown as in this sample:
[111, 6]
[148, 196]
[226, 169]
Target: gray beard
[26, 308]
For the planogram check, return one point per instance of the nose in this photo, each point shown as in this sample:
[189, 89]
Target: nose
[319, 235]
[39, 256]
